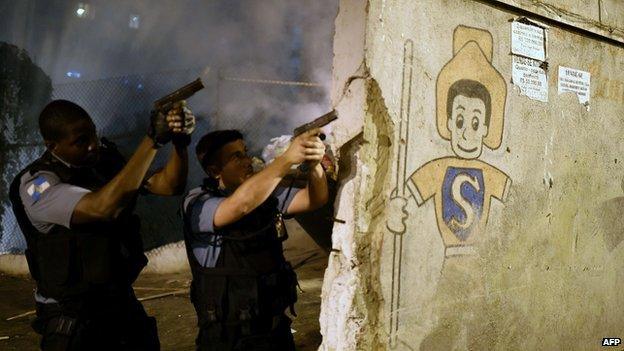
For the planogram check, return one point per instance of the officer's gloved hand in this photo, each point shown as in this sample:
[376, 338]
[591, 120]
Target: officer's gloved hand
[183, 124]
[159, 130]
[177, 124]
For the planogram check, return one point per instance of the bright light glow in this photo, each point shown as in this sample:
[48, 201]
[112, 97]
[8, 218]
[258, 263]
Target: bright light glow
[82, 10]
[73, 74]
[134, 22]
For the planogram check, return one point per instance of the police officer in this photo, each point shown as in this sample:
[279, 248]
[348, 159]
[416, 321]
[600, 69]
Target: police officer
[74, 206]
[242, 284]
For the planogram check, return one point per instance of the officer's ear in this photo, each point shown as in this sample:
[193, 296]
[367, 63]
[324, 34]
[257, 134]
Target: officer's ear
[214, 171]
[50, 145]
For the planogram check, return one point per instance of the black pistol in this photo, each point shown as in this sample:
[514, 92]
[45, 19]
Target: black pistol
[165, 103]
[317, 123]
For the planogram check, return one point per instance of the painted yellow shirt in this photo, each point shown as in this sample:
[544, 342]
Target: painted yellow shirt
[462, 190]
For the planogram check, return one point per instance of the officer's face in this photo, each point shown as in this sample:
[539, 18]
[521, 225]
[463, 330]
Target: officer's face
[79, 147]
[235, 164]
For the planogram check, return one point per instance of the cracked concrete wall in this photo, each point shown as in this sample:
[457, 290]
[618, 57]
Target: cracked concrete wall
[516, 246]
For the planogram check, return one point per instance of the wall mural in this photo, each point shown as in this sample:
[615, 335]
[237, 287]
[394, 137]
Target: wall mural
[470, 108]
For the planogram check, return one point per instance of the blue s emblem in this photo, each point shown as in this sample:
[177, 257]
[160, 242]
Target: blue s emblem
[463, 192]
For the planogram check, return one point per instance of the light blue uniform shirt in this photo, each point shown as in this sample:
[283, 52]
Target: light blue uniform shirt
[48, 202]
[203, 242]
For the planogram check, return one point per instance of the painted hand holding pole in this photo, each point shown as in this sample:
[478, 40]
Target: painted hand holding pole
[398, 195]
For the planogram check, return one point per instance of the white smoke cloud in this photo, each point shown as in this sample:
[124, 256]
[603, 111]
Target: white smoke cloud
[242, 38]
[254, 39]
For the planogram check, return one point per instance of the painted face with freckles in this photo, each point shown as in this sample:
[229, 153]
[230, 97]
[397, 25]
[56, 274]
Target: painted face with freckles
[467, 126]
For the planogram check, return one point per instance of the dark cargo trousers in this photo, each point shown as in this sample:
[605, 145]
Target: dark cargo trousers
[116, 324]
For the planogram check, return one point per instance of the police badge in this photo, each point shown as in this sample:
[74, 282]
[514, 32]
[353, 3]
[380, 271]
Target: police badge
[280, 227]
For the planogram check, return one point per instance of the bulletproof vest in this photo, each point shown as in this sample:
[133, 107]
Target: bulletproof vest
[94, 258]
[251, 281]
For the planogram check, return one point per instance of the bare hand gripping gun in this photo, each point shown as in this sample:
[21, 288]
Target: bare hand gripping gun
[317, 123]
[164, 104]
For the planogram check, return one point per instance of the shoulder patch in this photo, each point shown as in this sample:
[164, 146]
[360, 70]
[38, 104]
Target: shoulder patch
[37, 187]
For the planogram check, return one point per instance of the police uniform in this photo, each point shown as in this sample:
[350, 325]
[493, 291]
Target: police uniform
[242, 283]
[83, 273]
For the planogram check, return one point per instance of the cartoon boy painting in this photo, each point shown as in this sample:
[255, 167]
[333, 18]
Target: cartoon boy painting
[470, 100]
[470, 107]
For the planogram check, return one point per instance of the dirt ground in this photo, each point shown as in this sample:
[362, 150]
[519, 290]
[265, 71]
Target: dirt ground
[173, 310]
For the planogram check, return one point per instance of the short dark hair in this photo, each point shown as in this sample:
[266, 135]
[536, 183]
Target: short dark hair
[471, 89]
[209, 145]
[56, 115]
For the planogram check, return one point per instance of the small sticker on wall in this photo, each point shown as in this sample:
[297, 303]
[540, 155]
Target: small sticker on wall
[530, 77]
[528, 41]
[575, 81]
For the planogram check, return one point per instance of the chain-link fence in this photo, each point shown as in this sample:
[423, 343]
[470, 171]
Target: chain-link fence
[120, 108]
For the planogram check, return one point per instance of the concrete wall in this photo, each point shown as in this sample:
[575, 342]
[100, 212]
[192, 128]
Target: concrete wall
[601, 17]
[515, 245]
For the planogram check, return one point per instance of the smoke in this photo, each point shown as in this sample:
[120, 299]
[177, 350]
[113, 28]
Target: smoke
[280, 40]
[268, 39]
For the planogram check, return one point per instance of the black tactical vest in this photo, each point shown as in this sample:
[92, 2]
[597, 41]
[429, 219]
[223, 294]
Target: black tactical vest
[102, 258]
[251, 282]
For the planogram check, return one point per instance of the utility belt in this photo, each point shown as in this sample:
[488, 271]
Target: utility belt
[255, 303]
[102, 301]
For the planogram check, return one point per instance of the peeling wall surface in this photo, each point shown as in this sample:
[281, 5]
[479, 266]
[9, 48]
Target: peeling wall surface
[481, 171]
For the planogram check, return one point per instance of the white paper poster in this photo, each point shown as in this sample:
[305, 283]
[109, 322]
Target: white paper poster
[575, 81]
[530, 78]
[528, 41]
